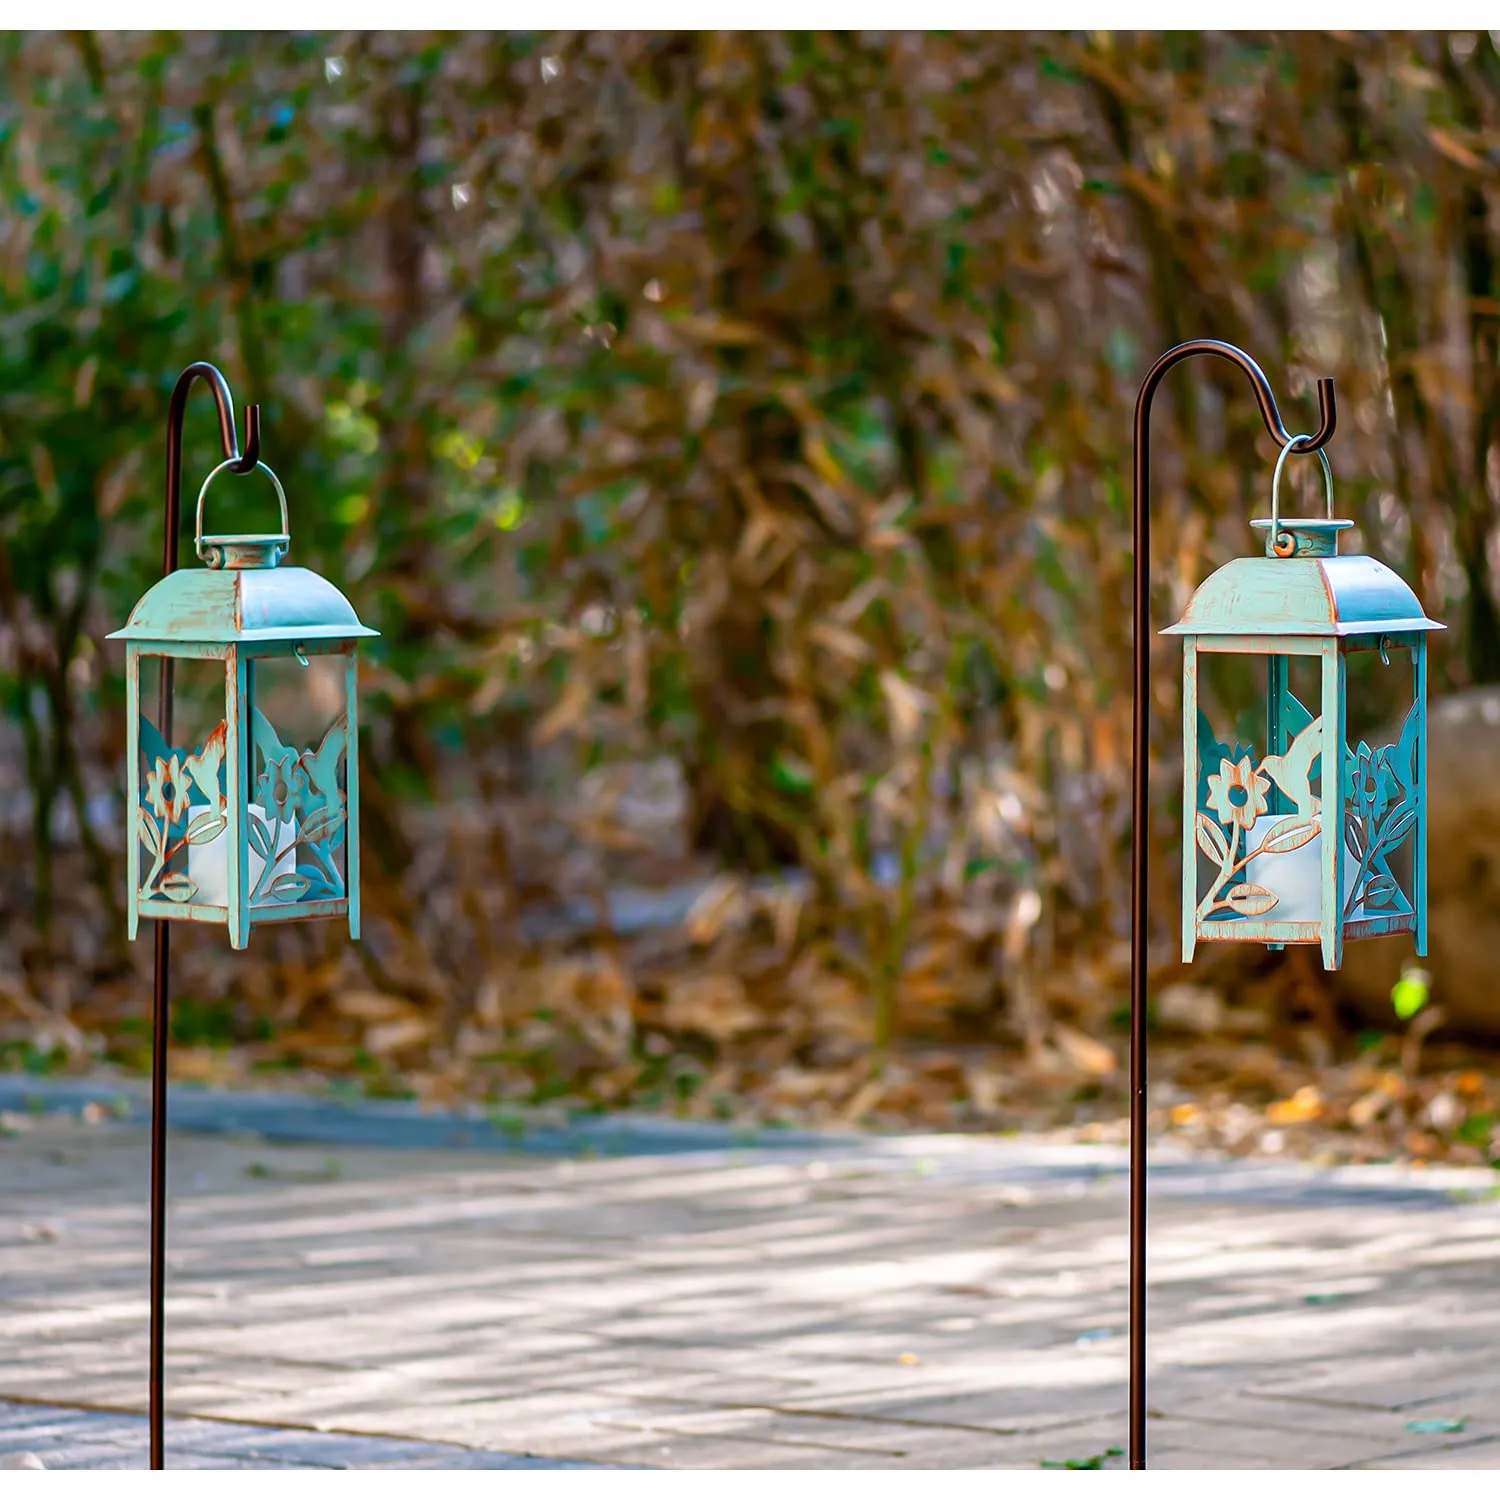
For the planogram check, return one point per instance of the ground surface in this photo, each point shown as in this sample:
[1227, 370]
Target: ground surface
[370, 1291]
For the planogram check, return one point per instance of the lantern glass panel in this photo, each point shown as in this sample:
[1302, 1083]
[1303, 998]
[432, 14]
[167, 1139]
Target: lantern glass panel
[298, 781]
[1382, 796]
[180, 813]
[1258, 808]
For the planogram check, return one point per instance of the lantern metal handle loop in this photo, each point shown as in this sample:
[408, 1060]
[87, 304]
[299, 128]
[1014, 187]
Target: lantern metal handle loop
[1282, 542]
[215, 553]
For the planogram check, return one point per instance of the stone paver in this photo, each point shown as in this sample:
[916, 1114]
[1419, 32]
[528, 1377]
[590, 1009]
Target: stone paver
[59, 1437]
[689, 1302]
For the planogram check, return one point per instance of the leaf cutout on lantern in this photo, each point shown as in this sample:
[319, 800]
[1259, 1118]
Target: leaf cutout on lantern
[177, 887]
[322, 824]
[262, 840]
[1251, 900]
[1211, 839]
[150, 832]
[319, 887]
[1397, 825]
[1287, 835]
[1380, 890]
[290, 885]
[204, 829]
[1354, 835]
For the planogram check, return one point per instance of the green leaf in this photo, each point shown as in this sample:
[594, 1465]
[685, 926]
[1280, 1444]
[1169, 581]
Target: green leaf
[789, 774]
[1438, 1424]
[1409, 993]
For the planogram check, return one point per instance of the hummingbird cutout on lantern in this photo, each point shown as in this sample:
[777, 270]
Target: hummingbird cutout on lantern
[302, 790]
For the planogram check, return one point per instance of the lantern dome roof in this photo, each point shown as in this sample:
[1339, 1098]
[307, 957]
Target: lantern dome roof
[219, 605]
[1320, 596]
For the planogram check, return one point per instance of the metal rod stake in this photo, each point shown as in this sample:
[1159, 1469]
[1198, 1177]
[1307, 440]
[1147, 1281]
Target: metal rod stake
[1140, 809]
[161, 1000]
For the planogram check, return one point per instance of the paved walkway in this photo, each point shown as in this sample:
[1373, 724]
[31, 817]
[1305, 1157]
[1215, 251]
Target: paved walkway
[661, 1296]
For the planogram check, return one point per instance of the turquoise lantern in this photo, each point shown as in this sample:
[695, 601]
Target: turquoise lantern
[1311, 841]
[250, 825]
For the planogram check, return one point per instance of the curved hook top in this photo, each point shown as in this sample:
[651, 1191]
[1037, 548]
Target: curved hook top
[240, 463]
[1327, 406]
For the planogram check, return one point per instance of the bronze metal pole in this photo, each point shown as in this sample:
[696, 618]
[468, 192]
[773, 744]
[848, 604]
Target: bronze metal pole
[160, 1022]
[1140, 810]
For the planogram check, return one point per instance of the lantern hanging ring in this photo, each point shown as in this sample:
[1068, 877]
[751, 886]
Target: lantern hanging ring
[1283, 543]
[258, 550]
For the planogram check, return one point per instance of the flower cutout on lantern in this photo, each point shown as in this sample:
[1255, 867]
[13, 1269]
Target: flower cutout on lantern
[282, 789]
[1367, 780]
[1238, 793]
[167, 789]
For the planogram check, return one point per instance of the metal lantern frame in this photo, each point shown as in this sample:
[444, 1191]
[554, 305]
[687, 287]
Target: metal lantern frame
[1320, 608]
[239, 610]
[1302, 600]
[242, 610]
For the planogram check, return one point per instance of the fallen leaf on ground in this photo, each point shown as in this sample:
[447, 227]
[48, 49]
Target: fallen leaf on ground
[985, 1089]
[1084, 1052]
[1368, 1108]
[371, 1005]
[714, 1005]
[1305, 1105]
[1190, 1007]
[397, 1036]
[721, 906]
[864, 1100]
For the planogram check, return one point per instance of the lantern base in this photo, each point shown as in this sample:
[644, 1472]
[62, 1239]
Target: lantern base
[286, 911]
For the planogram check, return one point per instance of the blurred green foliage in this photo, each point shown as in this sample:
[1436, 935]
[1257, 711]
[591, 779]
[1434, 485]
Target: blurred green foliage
[758, 402]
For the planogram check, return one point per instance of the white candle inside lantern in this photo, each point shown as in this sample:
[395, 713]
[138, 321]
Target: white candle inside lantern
[1296, 876]
[208, 864]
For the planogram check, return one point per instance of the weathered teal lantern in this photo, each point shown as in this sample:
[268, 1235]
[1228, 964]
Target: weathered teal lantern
[1313, 841]
[245, 827]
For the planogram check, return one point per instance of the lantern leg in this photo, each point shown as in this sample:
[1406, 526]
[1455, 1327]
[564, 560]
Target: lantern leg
[351, 791]
[1189, 799]
[1333, 753]
[1419, 854]
[1140, 806]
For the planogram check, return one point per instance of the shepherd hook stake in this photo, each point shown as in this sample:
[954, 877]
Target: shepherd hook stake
[160, 1024]
[1139, 810]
